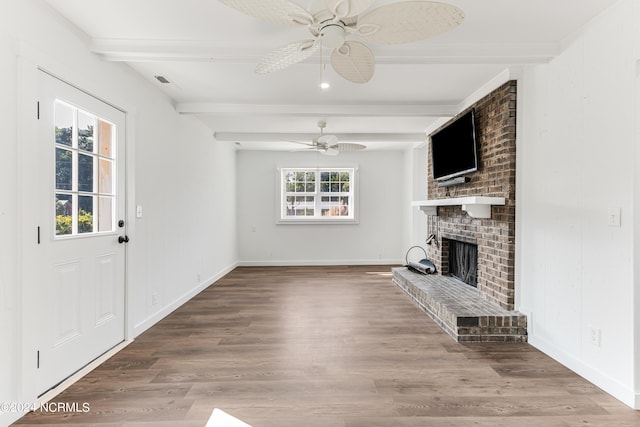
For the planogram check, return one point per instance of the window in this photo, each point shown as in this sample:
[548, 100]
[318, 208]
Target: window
[317, 195]
[84, 172]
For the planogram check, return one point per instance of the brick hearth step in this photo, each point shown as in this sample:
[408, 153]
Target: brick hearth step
[460, 310]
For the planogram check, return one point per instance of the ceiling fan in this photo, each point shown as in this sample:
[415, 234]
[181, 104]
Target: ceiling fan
[329, 144]
[331, 21]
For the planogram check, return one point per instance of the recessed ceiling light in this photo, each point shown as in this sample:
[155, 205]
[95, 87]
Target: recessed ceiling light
[324, 86]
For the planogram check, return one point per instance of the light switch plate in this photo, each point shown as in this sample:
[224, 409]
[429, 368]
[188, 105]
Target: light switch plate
[613, 217]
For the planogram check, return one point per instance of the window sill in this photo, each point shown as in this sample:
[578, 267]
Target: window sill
[318, 221]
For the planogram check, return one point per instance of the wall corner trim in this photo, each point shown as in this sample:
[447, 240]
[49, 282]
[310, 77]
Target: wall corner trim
[512, 73]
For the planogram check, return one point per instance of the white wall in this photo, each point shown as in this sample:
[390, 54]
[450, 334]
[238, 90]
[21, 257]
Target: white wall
[9, 242]
[417, 167]
[378, 237]
[184, 180]
[576, 155]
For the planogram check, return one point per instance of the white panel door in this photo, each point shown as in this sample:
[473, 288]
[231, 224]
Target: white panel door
[79, 165]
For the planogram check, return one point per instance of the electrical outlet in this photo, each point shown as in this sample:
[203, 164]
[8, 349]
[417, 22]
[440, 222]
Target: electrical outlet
[595, 336]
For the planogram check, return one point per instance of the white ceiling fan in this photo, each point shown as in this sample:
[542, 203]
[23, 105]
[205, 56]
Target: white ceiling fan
[329, 144]
[331, 21]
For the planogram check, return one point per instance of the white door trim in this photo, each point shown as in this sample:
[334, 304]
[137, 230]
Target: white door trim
[30, 63]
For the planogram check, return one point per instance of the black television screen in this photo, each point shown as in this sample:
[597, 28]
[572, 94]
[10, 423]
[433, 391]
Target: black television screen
[453, 148]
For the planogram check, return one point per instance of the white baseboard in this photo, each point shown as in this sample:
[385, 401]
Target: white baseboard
[316, 262]
[168, 309]
[610, 385]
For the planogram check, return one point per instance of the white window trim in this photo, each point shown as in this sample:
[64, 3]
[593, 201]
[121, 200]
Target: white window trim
[280, 204]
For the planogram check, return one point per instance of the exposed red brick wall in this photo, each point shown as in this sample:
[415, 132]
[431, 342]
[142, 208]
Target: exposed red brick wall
[496, 176]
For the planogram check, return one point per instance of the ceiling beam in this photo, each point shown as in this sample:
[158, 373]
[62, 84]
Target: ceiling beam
[342, 137]
[369, 110]
[135, 50]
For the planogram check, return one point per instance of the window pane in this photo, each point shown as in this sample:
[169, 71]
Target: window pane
[344, 176]
[105, 138]
[64, 220]
[311, 177]
[324, 187]
[63, 169]
[85, 172]
[86, 126]
[105, 214]
[335, 206]
[344, 187]
[105, 177]
[335, 187]
[300, 205]
[85, 214]
[311, 187]
[64, 115]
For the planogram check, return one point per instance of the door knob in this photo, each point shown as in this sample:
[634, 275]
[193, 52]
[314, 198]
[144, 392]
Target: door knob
[123, 239]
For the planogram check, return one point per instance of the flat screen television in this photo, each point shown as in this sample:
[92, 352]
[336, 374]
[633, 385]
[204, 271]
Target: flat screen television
[453, 148]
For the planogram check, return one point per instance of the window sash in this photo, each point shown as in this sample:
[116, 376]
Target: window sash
[314, 205]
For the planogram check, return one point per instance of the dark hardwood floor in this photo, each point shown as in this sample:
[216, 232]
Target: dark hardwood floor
[330, 346]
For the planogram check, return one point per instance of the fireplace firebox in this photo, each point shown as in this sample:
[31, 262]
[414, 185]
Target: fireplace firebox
[463, 262]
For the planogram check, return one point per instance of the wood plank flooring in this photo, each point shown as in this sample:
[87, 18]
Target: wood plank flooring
[325, 346]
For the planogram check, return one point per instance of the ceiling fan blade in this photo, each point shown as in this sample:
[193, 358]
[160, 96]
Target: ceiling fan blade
[408, 21]
[286, 56]
[303, 143]
[282, 12]
[348, 146]
[354, 61]
[347, 8]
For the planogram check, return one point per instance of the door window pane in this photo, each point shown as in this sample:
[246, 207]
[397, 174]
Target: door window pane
[64, 169]
[105, 138]
[64, 117]
[105, 214]
[85, 214]
[63, 208]
[105, 177]
[86, 125]
[84, 172]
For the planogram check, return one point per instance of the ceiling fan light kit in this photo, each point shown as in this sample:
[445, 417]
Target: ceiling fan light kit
[332, 21]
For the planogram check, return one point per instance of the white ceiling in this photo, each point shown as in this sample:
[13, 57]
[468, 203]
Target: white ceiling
[208, 52]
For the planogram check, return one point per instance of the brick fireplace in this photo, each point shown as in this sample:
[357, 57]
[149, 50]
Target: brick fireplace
[493, 236]
[496, 176]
